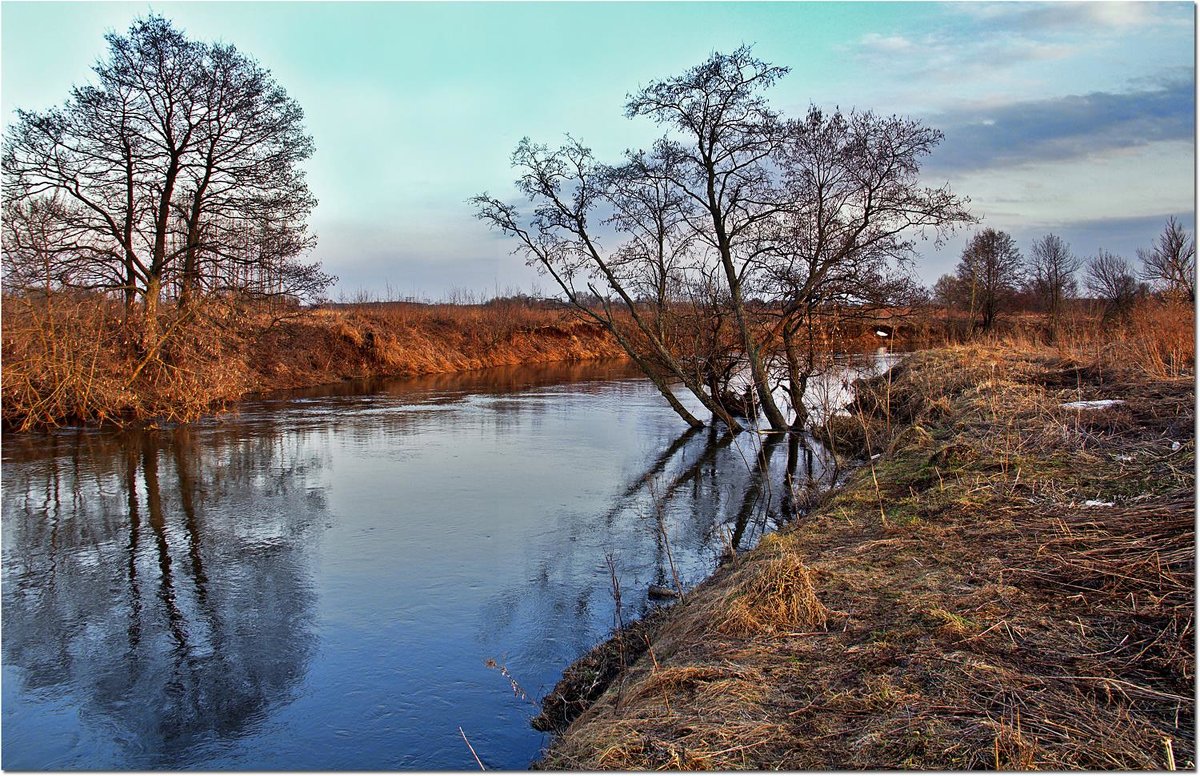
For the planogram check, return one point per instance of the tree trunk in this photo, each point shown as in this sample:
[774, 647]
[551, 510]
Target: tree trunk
[797, 380]
[757, 372]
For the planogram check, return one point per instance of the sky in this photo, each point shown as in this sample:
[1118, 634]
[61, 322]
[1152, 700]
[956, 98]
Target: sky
[1076, 118]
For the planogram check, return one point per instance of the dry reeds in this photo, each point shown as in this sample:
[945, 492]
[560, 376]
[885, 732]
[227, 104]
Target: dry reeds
[82, 358]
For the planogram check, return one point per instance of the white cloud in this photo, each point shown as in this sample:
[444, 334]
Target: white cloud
[887, 44]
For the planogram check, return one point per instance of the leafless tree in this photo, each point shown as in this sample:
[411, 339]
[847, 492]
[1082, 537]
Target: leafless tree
[734, 232]
[567, 188]
[725, 135]
[1171, 263]
[989, 272]
[1110, 277]
[1052, 269]
[853, 205]
[181, 156]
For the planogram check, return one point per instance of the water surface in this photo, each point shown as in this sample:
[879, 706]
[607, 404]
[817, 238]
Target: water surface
[317, 581]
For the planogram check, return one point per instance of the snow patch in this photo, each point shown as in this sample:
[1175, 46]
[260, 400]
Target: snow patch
[1097, 404]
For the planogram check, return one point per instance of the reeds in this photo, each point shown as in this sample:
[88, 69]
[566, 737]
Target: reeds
[83, 358]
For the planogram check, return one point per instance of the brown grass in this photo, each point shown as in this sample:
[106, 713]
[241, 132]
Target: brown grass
[993, 620]
[80, 359]
[774, 594]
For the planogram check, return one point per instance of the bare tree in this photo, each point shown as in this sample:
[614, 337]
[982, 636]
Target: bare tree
[1171, 263]
[180, 154]
[567, 187]
[734, 233]
[853, 206]
[726, 135]
[1110, 277]
[989, 272]
[1052, 269]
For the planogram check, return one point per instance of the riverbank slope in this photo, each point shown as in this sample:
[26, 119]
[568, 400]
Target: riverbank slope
[1010, 584]
[78, 359]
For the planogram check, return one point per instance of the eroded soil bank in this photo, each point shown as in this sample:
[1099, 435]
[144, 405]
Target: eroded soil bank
[1009, 585]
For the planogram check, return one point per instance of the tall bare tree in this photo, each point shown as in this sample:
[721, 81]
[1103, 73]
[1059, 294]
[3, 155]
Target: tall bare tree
[180, 154]
[1052, 269]
[732, 231]
[990, 270]
[1171, 263]
[725, 136]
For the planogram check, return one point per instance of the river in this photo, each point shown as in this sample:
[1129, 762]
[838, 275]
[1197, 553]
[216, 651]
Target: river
[318, 581]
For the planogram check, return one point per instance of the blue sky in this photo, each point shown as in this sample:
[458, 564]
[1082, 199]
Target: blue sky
[1076, 118]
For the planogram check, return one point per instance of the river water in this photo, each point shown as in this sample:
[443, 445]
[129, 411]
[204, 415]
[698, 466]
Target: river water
[317, 582]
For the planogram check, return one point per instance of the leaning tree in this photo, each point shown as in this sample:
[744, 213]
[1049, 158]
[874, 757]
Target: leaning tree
[733, 219]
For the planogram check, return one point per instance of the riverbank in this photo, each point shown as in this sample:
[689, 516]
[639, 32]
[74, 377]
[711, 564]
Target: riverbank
[79, 359]
[1010, 584]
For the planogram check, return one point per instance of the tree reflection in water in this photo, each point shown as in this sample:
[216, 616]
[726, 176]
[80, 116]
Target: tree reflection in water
[712, 491]
[172, 629]
[316, 581]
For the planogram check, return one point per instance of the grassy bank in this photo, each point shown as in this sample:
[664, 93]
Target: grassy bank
[1010, 584]
[81, 359]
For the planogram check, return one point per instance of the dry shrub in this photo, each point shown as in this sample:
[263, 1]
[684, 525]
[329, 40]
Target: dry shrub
[1160, 338]
[57, 355]
[83, 358]
[773, 595]
[78, 357]
[1156, 339]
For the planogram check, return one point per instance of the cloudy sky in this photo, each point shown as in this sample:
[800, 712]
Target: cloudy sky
[1074, 118]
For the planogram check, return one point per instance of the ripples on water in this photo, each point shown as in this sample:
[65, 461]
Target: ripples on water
[316, 581]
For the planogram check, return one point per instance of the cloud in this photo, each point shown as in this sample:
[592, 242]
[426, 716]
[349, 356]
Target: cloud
[1050, 17]
[1062, 128]
[956, 55]
[887, 44]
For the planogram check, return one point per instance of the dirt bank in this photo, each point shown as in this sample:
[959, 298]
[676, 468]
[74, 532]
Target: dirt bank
[1010, 585]
[81, 359]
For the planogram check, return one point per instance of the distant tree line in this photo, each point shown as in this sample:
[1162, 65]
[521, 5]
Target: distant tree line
[175, 174]
[721, 256]
[993, 276]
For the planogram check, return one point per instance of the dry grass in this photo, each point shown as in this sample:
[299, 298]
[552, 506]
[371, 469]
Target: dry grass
[79, 358]
[992, 620]
[773, 594]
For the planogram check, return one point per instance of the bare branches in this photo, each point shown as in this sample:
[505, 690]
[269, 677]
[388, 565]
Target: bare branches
[1171, 263]
[732, 218]
[1110, 277]
[1052, 269]
[988, 274]
[177, 171]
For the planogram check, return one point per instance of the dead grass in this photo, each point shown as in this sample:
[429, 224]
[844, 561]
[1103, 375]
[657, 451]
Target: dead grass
[774, 594]
[993, 619]
[81, 359]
